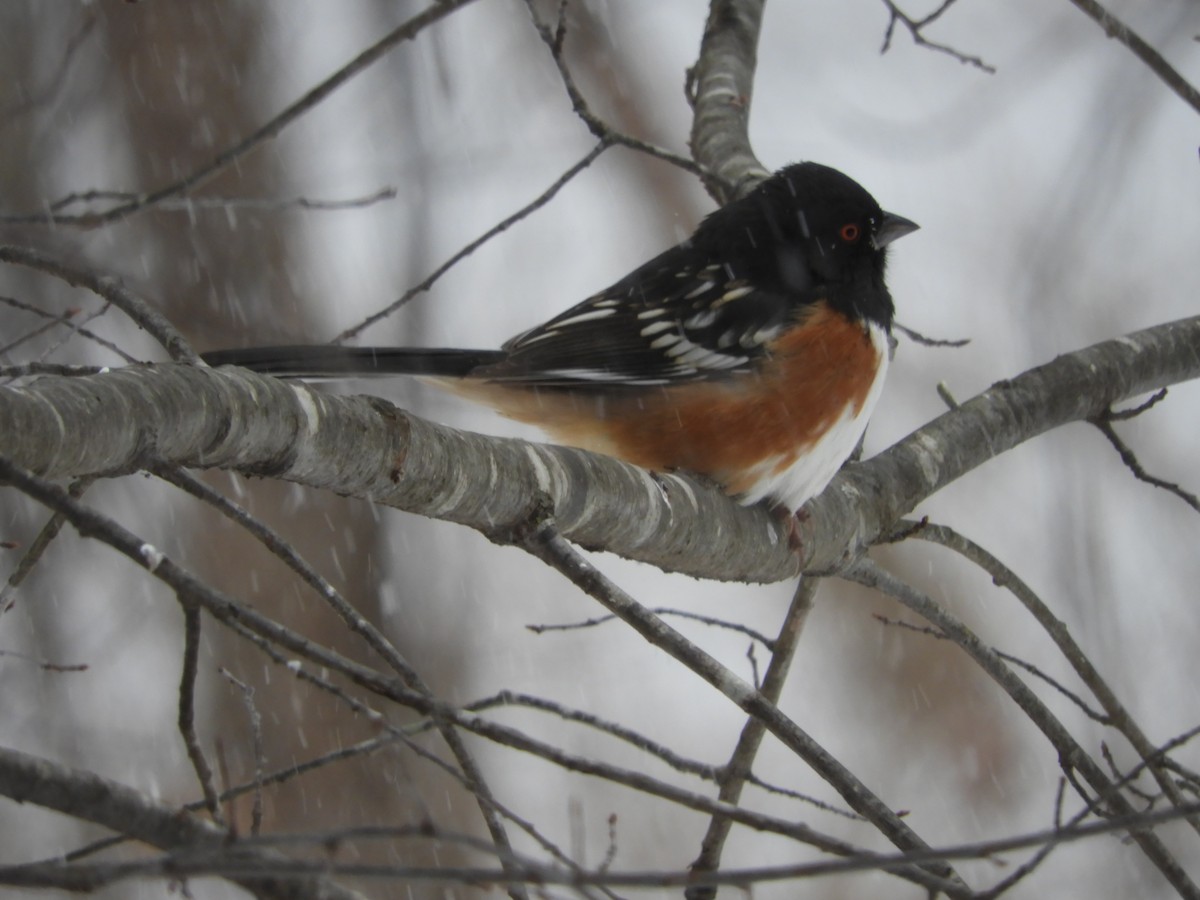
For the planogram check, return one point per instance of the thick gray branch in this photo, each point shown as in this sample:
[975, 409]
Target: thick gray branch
[866, 499]
[720, 87]
[124, 420]
[120, 421]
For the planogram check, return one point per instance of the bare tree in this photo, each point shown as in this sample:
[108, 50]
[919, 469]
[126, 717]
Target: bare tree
[279, 685]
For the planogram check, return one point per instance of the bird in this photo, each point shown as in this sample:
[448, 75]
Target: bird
[751, 354]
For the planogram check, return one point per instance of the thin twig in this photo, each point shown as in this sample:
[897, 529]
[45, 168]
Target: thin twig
[636, 781]
[1115, 771]
[191, 205]
[736, 772]
[1129, 458]
[37, 548]
[943, 392]
[270, 129]
[45, 665]
[70, 328]
[68, 319]
[925, 341]
[142, 313]
[540, 539]
[32, 97]
[1006, 579]
[1027, 868]
[1154, 60]
[553, 39]
[665, 611]
[187, 710]
[1122, 415]
[627, 735]
[707, 771]
[1072, 757]
[260, 757]
[1029, 667]
[184, 864]
[45, 327]
[537, 203]
[915, 28]
[358, 624]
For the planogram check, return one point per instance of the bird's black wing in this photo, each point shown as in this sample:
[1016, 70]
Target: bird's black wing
[681, 317]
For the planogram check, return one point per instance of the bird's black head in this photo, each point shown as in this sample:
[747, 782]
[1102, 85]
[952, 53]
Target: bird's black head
[809, 230]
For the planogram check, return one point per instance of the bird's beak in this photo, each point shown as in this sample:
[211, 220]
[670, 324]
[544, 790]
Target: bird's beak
[891, 227]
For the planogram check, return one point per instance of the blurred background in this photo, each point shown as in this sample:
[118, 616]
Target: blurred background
[1059, 199]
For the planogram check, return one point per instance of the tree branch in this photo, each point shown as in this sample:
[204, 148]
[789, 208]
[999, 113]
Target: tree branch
[122, 421]
[136, 417]
[1119, 717]
[91, 798]
[142, 313]
[274, 639]
[1071, 755]
[268, 130]
[541, 540]
[356, 623]
[1154, 60]
[470, 247]
[1129, 458]
[1078, 386]
[916, 30]
[736, 772]
[601, 130]
[719, 87]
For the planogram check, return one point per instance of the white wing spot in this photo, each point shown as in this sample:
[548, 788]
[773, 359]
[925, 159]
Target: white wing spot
[700, 291]
[733, 294]
[589, 316]
[700, 320]
[760, 337]
[692, 355]
[585, 374]
[725, 361]
[656, 327]
[526, 339]
[727, 339]
[665, 341]
[604, 376]
[681, 346]
[652, 313]
[707, 359]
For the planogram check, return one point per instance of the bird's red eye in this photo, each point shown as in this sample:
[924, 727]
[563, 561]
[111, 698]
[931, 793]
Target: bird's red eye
[850, 232]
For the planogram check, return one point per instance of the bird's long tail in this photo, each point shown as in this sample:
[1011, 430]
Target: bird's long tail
[325, 361]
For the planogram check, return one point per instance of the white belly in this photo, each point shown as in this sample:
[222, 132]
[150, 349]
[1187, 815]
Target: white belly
[795, 484]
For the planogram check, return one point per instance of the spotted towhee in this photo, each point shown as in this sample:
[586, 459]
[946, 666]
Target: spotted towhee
[752, 353]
